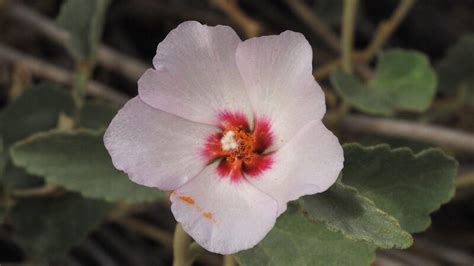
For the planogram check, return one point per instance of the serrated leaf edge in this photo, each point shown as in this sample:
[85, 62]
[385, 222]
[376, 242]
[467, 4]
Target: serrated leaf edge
[366, 239]
[415, 156]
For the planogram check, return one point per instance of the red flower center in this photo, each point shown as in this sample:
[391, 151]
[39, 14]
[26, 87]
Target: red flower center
[239, 149]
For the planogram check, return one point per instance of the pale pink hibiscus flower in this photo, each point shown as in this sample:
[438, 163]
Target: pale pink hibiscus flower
[233, 128]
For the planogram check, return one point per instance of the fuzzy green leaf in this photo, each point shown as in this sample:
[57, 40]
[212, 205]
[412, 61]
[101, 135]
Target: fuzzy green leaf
[345, 211]
[296, 241]
[404, 81]
[48, 227]
[3, 157]
[84, 20]
[456, 69]
[37, 109]
[2, 214]
[18, 178]
[97, 115]
[405, 185]
[78, 161]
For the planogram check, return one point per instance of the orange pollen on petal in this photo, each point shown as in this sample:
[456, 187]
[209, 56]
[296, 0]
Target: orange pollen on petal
[207, 215]
[187, 199]
[245, 146]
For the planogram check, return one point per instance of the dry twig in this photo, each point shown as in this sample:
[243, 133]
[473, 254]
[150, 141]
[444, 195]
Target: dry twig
[383, 32]
[315, 24]
[321, 29]
[161, 236]
[450, 138]
[110, 58]
[46, 70]
[250, 26]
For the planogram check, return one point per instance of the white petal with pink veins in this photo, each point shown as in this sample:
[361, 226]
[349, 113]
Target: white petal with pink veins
[154, 148]
[221, 215]
[309, 163]
[195, 74]
[277, 72]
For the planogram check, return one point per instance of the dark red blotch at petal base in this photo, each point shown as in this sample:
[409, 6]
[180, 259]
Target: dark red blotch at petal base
[250, 157]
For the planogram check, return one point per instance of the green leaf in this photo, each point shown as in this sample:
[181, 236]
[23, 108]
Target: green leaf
[456, 69]
[404, 81]
[345, 211]
[79, 162]
[405, 185]
[362, 97]
[394, 142]
[48, 227]
[3, 157]
[18, 178]
[2, 214]
[97, 115]
[296, 241]
[84, 19]
[37, 109]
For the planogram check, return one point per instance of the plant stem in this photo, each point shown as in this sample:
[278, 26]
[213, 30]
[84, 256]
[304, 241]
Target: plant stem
[383, 32]
[309, 18]
[161, 236]
[229, 260]
[195, 251]
[348, 24]
[46, 70]
[386, 29]
[454, 139]
[181, 243]
[465, 180]
[81, 77]
[250, 26]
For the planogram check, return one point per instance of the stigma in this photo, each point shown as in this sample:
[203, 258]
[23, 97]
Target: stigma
[240, 149]
[228, 141]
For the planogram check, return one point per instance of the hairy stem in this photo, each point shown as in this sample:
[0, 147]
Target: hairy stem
[348, 25]
[81, 77]
[181, 244]
[229, 260]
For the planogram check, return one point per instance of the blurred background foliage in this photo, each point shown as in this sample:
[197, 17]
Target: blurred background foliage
[409, 84]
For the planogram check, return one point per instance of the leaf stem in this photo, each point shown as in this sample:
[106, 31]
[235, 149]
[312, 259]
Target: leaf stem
[81, 77]
[181, 244]
[386, 29]
[229, 260]
[383, 32]
[348, 25]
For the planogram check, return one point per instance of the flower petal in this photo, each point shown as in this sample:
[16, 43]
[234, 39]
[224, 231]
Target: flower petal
[196, 76]
[221, 215]
[309, 163]
[154, 148]
[277, 72]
